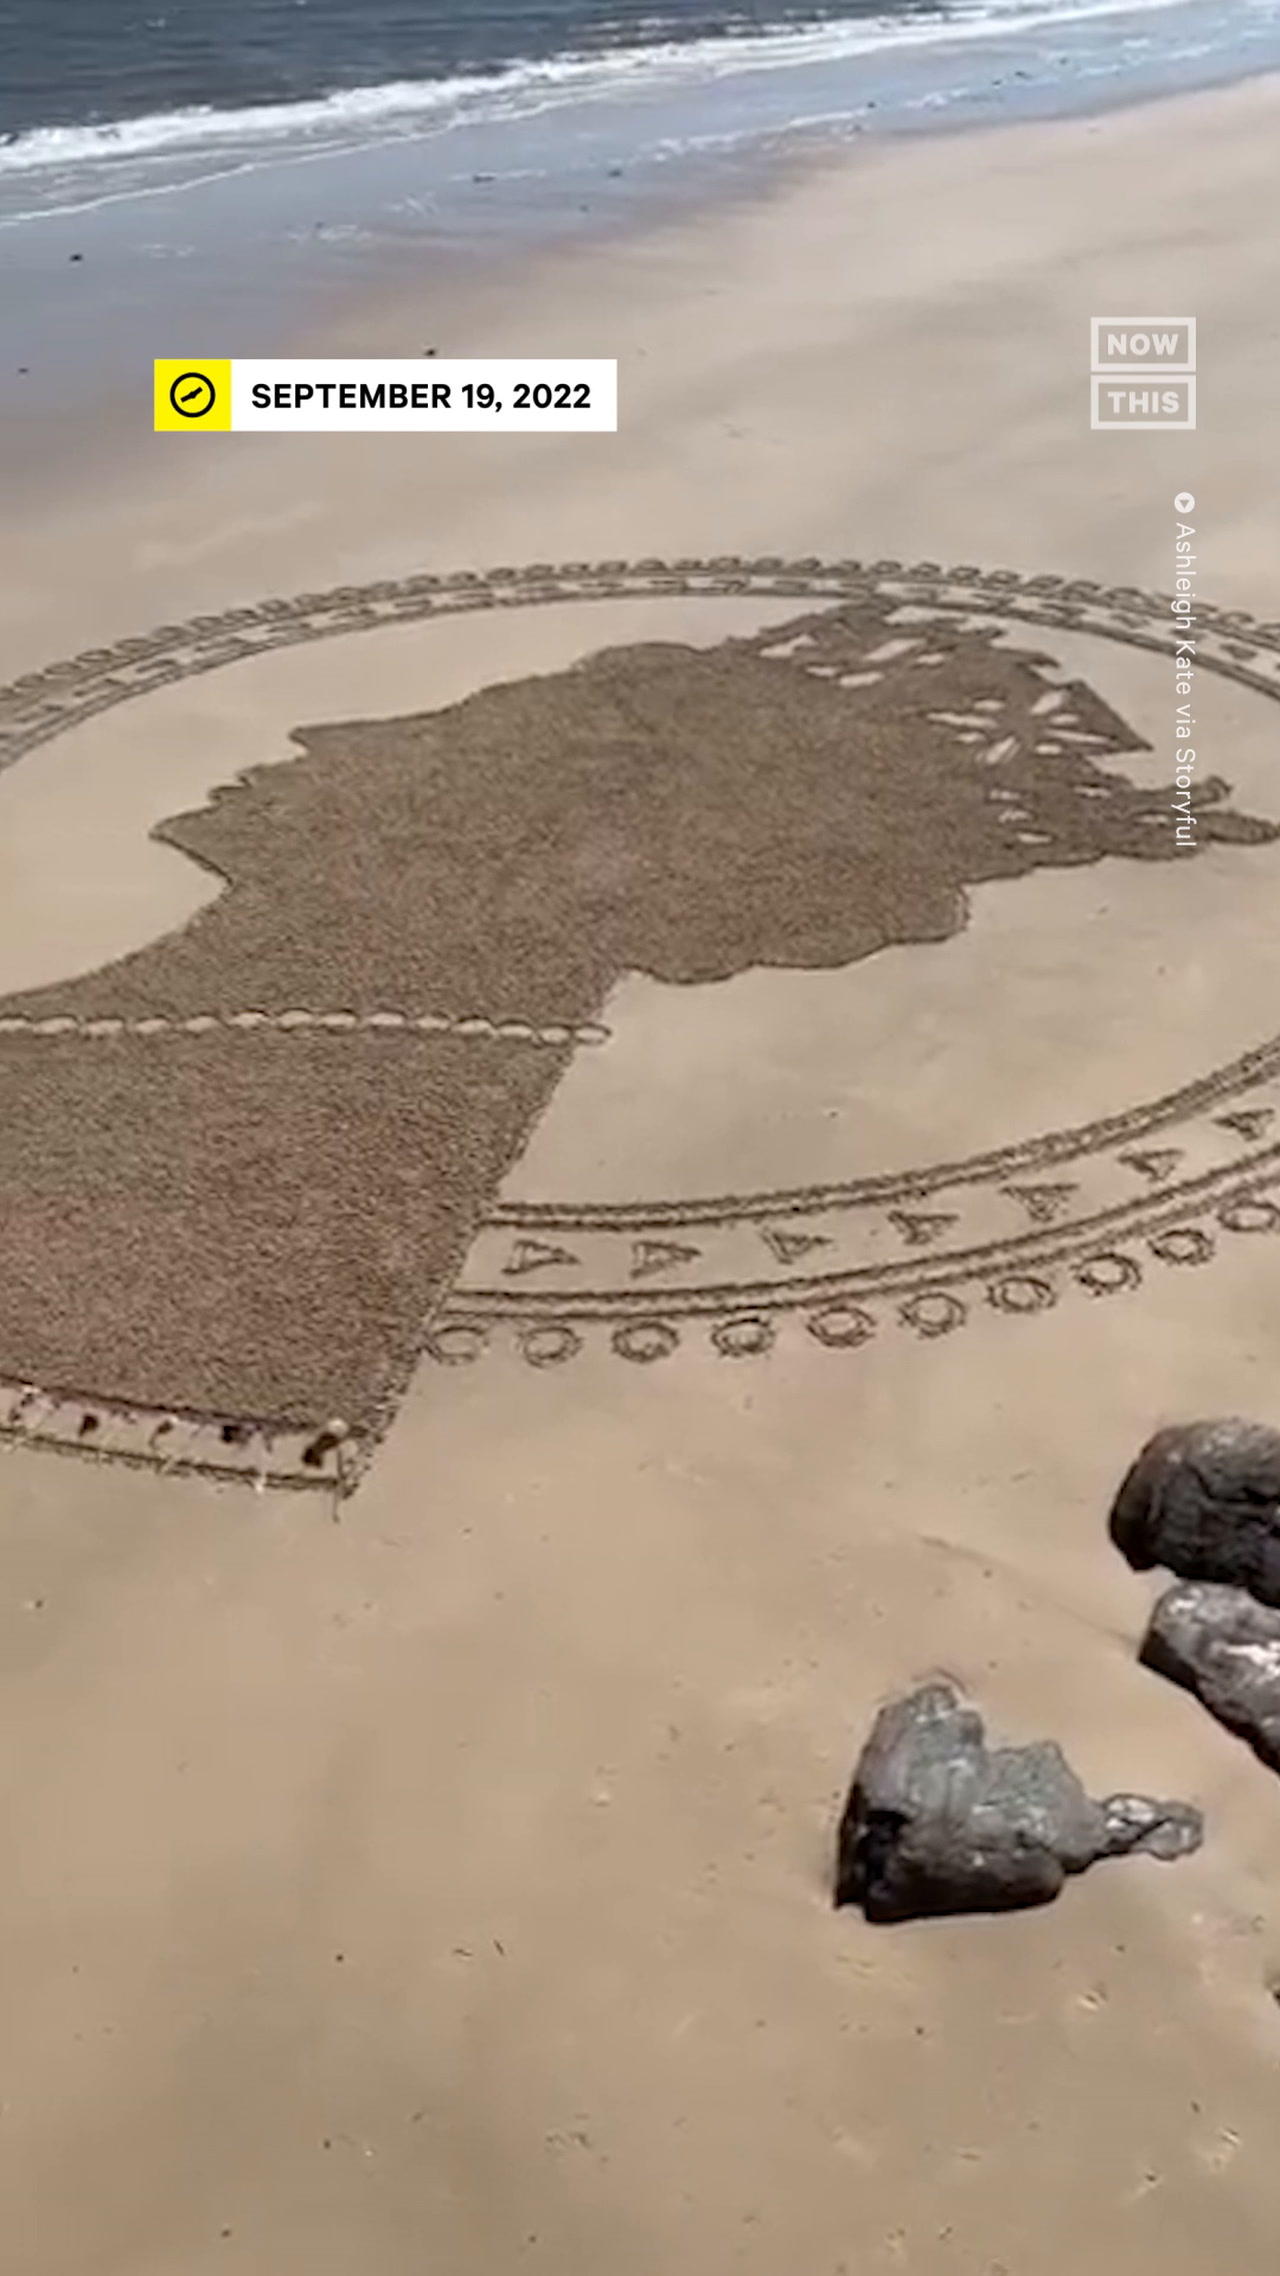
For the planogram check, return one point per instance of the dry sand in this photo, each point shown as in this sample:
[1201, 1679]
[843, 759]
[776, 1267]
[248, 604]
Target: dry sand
[446, 1887]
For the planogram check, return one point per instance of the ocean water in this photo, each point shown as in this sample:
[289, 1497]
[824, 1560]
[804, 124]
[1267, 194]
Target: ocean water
[82, 62]
[214, 175]
[111, 99]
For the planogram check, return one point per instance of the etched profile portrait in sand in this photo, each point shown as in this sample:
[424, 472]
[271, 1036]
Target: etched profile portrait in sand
[257, 1215]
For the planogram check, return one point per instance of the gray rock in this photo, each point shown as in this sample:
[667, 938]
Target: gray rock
[1225, 1648]
[1204, 1499]
[935, 1823]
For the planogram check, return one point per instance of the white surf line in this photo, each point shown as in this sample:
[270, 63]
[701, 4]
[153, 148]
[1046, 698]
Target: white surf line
[550, 1032]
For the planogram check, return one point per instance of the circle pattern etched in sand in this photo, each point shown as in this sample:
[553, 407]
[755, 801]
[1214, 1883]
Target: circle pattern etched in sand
[1089, 1207]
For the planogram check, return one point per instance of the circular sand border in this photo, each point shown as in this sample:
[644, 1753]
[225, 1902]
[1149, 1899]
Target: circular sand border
[1124, 1203]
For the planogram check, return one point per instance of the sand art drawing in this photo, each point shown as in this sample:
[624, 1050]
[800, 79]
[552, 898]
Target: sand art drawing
[251, 1174]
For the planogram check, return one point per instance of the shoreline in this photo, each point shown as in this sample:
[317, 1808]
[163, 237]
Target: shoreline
[481, 299]
[251, 259]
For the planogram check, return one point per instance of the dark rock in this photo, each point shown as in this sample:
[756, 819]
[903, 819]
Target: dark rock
[935, 1823]
[1204, 1499]
[325, 1443]
[1225, 1648]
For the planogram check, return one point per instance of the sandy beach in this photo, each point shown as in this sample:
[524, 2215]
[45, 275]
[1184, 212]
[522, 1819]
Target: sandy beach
[437, 1875]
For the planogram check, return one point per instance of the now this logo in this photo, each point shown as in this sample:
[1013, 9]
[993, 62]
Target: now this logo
[1143, 371]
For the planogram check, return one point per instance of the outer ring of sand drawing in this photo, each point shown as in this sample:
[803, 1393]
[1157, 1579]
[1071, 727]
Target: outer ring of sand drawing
[47, 703]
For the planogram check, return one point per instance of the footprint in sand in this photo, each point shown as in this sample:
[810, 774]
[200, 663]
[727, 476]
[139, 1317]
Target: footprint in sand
[1217, 2155]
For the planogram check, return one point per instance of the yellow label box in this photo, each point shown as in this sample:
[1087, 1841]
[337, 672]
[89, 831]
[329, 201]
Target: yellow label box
[192, 393]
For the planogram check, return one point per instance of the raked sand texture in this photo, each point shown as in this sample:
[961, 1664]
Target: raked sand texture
[862, 1138]
[221, 1205]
